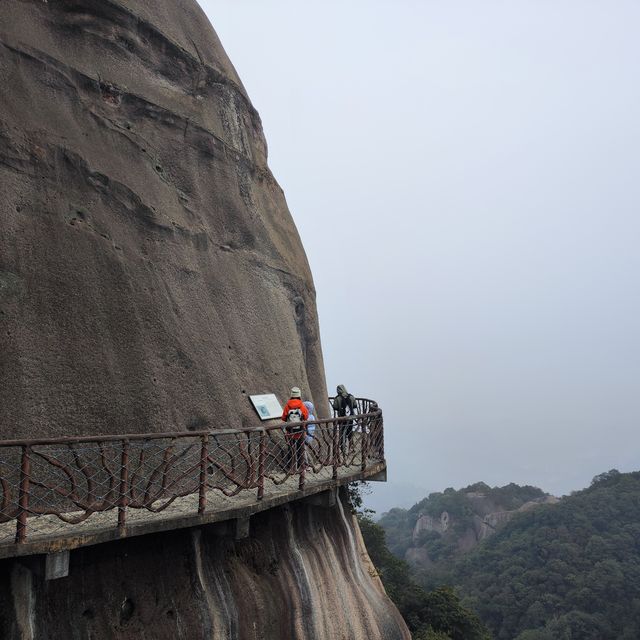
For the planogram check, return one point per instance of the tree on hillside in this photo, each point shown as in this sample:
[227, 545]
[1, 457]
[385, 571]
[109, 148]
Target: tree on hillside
[437, 615]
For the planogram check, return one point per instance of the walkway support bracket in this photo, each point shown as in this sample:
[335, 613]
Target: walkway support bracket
[378, 477]
[241, 528]
[56, 565]
[326, 499]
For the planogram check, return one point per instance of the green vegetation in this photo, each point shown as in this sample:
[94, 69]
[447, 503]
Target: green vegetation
[566, 571]
[399, 529]
[442, 549]
[437, 615]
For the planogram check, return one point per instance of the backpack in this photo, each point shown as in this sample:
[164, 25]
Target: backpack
[295, 415]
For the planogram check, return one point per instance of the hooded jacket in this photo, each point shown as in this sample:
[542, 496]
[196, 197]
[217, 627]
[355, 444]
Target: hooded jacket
[311, 428]
[343, 401]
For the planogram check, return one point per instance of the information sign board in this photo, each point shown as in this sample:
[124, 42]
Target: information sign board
[267, 406]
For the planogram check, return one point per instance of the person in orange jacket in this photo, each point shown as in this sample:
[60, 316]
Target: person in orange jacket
[294, 412]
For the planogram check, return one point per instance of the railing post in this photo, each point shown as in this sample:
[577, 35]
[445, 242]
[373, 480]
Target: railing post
[124, 480]
[202, 486]
[300, 445]
[335, 450]
[262, 454]
[363, 431]
[23, 500]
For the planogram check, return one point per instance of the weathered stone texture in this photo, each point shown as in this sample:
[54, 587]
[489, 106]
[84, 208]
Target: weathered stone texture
[302, 574]
[151, 276]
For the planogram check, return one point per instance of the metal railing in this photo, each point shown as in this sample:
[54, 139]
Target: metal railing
[51, 488]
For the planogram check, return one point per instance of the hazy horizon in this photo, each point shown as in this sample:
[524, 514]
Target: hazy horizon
[464, 180]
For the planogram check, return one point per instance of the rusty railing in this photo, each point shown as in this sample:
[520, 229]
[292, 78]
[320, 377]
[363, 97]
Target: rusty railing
[52, 488]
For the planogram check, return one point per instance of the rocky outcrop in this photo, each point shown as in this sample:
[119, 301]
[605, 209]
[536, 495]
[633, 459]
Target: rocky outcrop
[302, 573]
[466, 532]
[429, 523]
[151, 276]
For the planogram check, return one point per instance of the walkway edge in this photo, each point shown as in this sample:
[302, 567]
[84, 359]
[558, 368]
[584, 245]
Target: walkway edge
[150, 526]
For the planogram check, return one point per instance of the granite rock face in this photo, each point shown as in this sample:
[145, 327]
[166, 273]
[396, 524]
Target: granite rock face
[302, 574]
[151, 276]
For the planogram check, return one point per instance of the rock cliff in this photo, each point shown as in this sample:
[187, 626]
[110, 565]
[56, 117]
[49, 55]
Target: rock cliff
[151, 276]
[482, 516]
[303, 573]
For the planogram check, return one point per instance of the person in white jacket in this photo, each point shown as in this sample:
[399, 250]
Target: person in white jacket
[311, 428]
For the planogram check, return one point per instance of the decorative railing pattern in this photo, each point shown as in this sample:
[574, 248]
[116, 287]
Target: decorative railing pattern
[69, 480]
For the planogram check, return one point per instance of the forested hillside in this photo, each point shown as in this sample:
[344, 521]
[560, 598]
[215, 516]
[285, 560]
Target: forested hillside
[570, 570]
[446, 524]
[565, 571]
[434, 615]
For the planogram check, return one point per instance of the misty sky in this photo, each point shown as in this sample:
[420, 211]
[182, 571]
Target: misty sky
[465, 177]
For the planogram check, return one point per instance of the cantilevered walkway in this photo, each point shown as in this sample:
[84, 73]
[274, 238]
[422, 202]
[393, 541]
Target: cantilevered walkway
[61, 494]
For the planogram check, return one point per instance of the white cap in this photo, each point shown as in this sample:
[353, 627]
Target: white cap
[295, 392]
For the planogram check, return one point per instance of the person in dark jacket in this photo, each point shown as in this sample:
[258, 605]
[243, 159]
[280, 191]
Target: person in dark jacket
[344, 404]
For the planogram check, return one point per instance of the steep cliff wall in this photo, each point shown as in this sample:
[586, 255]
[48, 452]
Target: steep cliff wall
[301, 574]
[151, 276]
